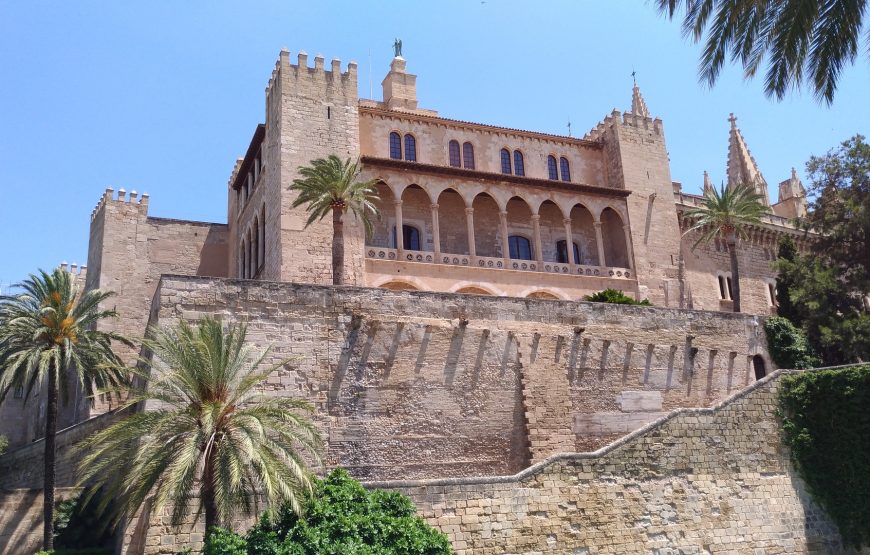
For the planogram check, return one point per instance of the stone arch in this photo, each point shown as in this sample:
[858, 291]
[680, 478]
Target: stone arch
[453, 231]
[472, 286]
[417, 213]
[397, 285]
[487, 239]
[552, 229]
[519, 223]
[613, 235]
[583, 233]
[543, 294]
[382, 227]
[403, 283]
[472, 290]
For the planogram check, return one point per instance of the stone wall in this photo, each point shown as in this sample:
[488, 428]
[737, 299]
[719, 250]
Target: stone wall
[697, 481]
[21, 519]
[23, 467]
[414, 384]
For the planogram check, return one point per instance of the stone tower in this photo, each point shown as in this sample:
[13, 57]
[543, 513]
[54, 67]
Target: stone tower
[792, 198]
[310, 113]
[636, 158]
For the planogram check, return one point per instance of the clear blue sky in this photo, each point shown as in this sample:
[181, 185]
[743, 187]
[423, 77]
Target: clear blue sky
[163, 96]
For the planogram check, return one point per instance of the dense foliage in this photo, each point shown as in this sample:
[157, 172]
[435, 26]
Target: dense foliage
[215, 441]
[827, 426]
[801, 42]
[77, 525]
[614, 296]
[341, 517]
[823, 291]
[788, 344]
[4, 444]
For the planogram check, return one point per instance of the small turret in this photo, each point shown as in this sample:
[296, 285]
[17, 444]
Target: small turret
[400, 87]
[792, 198]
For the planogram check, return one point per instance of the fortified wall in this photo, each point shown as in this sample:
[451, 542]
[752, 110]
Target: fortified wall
[697, 481]
[418, 384]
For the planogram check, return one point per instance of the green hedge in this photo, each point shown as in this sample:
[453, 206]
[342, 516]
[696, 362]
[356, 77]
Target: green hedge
[789, 347]
[826, 423]
[614, 296]
[341, 517]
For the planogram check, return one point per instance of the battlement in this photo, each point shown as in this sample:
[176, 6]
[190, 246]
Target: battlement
[122, 198]
[627, 119]
[314, 75]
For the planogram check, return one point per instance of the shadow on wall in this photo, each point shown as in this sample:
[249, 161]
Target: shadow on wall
[213, 259]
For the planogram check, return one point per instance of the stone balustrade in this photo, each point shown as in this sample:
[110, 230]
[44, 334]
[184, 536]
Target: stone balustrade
[496, 263]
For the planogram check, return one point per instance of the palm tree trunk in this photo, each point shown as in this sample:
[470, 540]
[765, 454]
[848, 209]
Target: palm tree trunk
[735, 272]
[208, 495]
[49, 458]
[337, 246]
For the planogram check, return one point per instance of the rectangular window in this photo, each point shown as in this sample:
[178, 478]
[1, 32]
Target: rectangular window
[19, 392]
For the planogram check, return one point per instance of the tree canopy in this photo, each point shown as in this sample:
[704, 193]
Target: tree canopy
[804, 41]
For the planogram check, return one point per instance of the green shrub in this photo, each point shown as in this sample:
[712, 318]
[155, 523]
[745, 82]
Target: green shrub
[826, 423]
[341, 517]
[614, 296]
[789, 347]
[224, 542]
[4, 444]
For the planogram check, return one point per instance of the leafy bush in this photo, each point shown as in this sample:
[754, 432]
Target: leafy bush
[4, 444]
[224, 542]
[614, 296]
[788, 345]
[827, 426]
[341, 517]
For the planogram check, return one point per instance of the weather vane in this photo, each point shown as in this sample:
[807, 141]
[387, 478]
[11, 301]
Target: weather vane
[633, 74]
[397, 47]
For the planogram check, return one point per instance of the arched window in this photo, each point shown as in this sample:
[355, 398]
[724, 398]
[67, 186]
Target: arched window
[395, 146]
[565, 169]
[562, 252]
[519, 167]
[552, 172]
[255, 247]
[468, 156]
[505, 161]
[263, 235]
[453, 151]
[520, 247]
[411, 237]
[410, 148]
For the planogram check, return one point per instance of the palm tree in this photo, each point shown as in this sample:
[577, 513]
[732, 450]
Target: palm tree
[330, 185]
[803, 41]
[211, 432]
[727, 213]
[47, 335]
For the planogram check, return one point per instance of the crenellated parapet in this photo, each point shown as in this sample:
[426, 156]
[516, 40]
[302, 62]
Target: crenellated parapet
[122, 198]
[302, 76]
[628, 120]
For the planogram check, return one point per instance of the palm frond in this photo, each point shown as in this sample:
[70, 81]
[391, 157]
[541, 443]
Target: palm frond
[206, 415]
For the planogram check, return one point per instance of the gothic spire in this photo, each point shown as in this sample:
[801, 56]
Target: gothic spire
[742, 168]
[638, 104]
